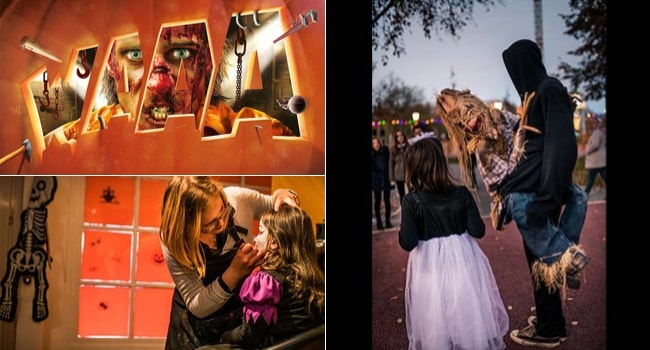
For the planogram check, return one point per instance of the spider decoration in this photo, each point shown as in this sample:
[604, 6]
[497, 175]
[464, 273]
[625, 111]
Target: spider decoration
[108, 196]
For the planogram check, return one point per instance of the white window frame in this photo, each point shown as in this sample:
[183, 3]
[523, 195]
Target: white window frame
[59, 330]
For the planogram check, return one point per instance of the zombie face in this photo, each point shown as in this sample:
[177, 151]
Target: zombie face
[473, 126]
[465, 111]
[179, 74]
[126, 57]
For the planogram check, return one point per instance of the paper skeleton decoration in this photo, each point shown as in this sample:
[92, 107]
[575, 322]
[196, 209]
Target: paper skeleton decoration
[28, 258]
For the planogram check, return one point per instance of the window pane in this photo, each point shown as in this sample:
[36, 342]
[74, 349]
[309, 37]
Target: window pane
[151, 194]
[106, 256]
[104, 311]
[152, 310]
[130, 290]
[151, 265]
[109, 200]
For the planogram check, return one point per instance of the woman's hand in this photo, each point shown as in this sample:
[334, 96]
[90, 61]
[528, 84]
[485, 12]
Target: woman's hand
[245, 261]
[285, 196]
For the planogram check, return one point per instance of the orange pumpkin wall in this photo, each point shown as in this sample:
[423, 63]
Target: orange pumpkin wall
[65, 27]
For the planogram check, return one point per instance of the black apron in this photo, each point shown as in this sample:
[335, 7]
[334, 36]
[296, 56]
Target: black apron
[187, 331]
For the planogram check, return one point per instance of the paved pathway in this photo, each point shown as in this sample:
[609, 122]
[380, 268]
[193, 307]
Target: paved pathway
[584, 308]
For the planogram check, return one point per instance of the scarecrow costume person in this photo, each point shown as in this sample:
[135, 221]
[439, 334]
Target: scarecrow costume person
[499, 139]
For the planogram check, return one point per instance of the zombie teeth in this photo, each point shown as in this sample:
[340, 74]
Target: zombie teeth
[159, 113]
[157, 123]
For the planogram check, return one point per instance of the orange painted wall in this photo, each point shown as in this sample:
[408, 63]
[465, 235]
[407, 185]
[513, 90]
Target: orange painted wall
[66, 26]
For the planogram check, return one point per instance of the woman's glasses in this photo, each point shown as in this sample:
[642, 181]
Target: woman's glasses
[219, 223]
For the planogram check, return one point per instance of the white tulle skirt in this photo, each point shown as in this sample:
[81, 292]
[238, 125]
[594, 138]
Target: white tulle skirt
[452, 299]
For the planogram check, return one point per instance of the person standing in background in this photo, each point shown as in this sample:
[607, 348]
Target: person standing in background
[397, 171]
[419, 129]
[381, 181]
[595, 154]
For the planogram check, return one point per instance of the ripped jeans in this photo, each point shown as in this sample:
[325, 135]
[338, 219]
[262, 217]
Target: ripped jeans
[549, 242]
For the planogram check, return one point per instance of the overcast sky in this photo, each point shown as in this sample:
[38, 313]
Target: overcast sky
[475, 58]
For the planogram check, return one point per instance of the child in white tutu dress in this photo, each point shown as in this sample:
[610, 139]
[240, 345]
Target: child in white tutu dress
[451, 297]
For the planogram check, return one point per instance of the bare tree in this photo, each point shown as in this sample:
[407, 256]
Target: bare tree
[392, 18]
[393, 99]
[587, 23]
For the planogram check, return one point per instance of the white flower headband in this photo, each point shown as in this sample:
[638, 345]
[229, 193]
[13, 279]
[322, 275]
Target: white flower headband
[424, 135]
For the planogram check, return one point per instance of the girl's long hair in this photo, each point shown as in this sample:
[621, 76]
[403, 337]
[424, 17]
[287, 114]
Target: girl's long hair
[396, 144]
[381, 149]
[427, 168]
[295, 257]
[184, 200]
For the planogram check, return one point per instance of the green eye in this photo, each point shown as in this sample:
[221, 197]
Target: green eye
[181, 54]
[134, 55]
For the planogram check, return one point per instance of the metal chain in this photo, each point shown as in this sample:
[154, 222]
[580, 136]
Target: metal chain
[238, 84]
[56, 103]
[240, 40]
[46, 93]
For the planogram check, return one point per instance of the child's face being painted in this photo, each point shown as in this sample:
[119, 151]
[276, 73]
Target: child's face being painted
[261, 240]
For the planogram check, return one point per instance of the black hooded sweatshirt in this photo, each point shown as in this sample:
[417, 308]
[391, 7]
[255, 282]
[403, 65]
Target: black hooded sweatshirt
[547, 165]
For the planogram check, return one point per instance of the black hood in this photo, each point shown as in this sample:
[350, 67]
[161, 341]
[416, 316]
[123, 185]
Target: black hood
[523, 60]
